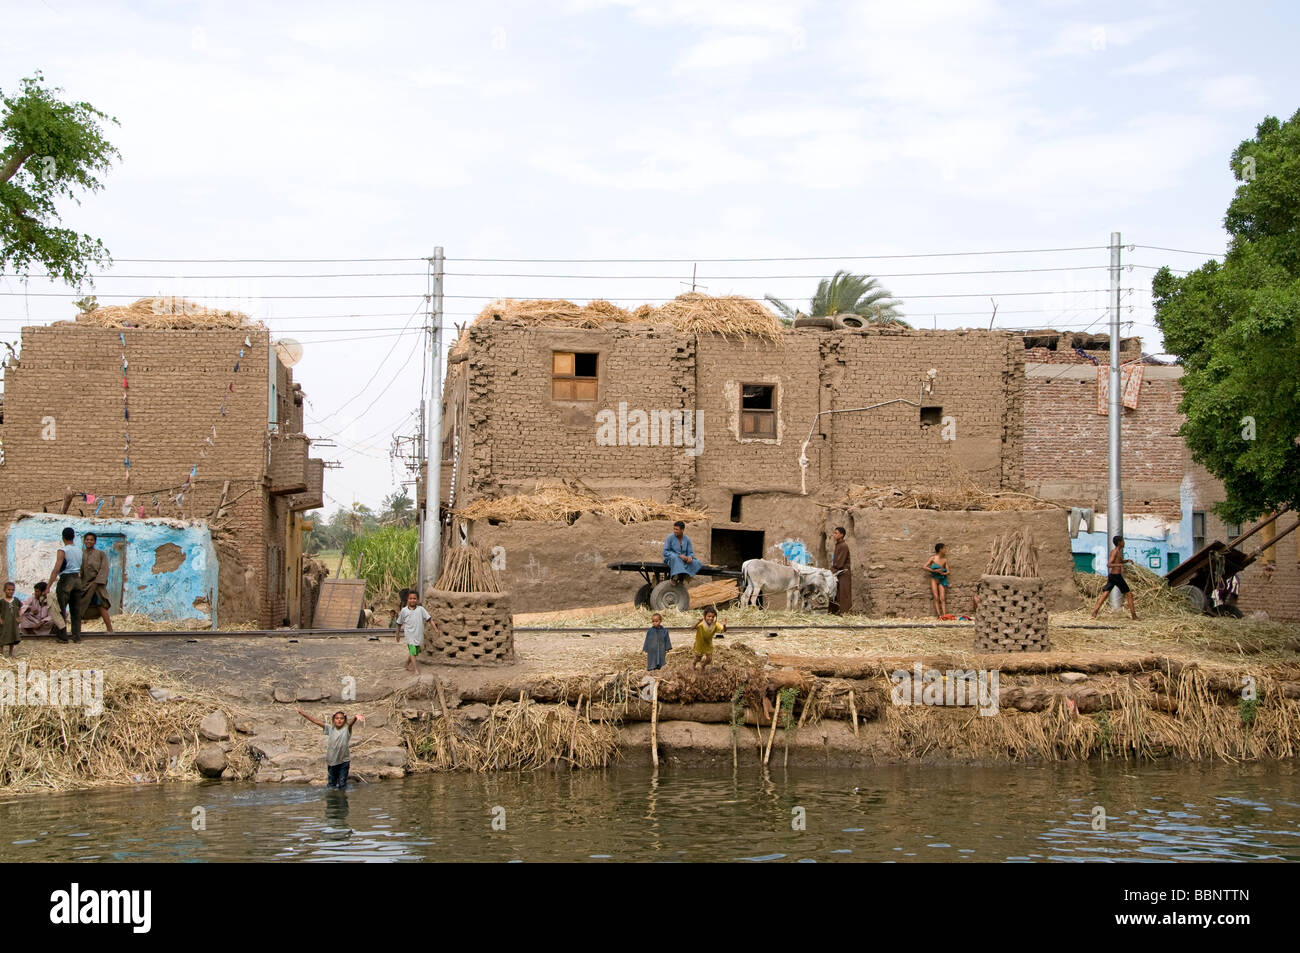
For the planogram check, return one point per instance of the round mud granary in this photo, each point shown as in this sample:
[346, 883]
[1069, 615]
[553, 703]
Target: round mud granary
[1012, 615]
[473, 627]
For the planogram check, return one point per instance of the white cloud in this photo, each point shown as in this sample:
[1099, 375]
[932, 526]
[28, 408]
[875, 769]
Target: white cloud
[1166, 61]
[725, 52]
[1230, 92]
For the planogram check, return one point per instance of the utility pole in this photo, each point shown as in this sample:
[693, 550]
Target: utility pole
[1115, 498]
[431, 526]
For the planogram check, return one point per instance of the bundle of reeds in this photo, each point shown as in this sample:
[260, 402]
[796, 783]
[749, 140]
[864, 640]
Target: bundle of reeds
[1150, 593]
[1014, 555]
[466, 569]
[164, 312]
[565, 503]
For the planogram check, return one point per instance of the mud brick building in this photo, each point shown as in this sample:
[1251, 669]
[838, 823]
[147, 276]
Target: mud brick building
[1168, 497]
[722, 424]
[66, 427]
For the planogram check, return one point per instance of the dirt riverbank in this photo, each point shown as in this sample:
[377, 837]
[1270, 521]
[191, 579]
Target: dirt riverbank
[182, 708]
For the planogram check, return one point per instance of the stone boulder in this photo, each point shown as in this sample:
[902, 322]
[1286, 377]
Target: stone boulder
[211, 761]
[214, 726]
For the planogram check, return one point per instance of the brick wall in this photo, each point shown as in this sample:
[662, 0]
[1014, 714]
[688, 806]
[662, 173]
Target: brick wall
[1067, 444]
[513, 435]
[177, 380]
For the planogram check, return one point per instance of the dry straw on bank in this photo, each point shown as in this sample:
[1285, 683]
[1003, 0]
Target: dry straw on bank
[566, 503]
[164, 312]
[59, 748]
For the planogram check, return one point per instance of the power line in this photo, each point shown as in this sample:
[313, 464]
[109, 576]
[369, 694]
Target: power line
[1181, 251]
[378, 368]
[687, 261]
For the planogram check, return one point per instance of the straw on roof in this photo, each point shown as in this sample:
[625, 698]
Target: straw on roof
[690, 313]
[164, 312]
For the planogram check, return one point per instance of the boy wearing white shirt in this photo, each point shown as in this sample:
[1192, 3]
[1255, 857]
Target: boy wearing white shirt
[410, 627]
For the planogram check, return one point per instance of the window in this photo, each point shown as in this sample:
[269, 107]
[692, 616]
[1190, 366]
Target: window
[573, 376]
[931, 416]
[1233, 530]
[758, 410]
[1198, 531]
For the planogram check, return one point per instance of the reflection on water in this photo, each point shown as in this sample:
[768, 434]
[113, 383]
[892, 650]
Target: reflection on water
[881, 813]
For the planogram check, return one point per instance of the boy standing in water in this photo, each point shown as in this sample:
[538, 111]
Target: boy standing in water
[705, 630]
[1115, 578]
[656, 645]
[410, 623]
[338, 757]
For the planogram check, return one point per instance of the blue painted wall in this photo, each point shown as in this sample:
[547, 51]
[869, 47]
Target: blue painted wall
[1145, 544]
[32, 541]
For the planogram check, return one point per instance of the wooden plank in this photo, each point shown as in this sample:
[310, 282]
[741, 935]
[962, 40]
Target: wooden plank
[340, 603]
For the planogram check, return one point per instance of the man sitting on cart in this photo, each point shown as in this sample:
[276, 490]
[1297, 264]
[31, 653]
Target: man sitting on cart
[679, 554]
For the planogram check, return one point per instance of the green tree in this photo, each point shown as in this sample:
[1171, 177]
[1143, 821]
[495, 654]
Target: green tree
[1236, 327]
[847, 293]
[49, 149]
[398, 509]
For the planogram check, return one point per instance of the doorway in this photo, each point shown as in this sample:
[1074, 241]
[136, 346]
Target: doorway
[731, 547]
[113, 546]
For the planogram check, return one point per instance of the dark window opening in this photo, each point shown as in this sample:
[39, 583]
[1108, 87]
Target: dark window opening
[931, 416]
[758, 410]
[735, 506]
[1198, 531]
[574, 375]
[731, 547]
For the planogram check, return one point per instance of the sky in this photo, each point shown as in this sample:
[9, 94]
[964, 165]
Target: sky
[306, 160]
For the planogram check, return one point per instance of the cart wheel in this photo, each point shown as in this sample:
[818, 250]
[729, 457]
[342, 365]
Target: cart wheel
[1195, 597]
[1230, 611]
[642, 598]
[670, 594]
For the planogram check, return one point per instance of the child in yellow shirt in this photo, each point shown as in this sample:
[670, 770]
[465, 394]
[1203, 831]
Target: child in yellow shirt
[705, 630]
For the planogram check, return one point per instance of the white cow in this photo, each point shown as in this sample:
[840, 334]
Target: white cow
[761, 576]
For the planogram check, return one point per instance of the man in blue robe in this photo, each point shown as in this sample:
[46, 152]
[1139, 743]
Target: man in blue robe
[679, 554]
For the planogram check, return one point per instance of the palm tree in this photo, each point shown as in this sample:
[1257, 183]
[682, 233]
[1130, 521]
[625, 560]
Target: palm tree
[847, 293]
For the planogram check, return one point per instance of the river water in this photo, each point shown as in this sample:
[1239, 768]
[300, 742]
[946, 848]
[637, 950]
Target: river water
[1161, 812]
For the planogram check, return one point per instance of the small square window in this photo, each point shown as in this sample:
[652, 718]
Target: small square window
[574, 375]
[758, 410]
[931, 416]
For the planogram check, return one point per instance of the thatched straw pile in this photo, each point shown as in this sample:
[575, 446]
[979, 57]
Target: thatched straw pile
[1150, 593]
[566, 503]
[690, 313]
[967, 496]
[694, 313]
[164, 313]
[59, 748]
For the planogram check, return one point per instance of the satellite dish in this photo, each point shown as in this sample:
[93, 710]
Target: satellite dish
[289, 351]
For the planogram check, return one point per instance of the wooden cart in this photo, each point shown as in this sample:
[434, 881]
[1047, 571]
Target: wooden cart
[660, 591]
[1197, 578]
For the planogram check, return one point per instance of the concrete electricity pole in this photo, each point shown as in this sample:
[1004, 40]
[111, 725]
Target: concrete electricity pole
[1115, 498]
[431, 526]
